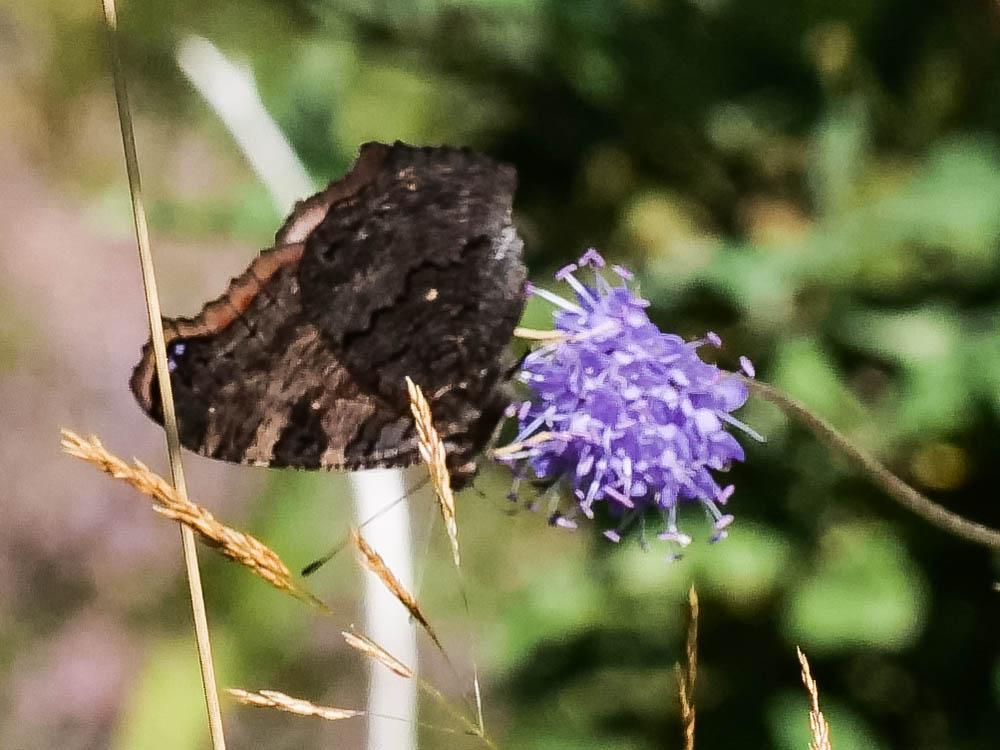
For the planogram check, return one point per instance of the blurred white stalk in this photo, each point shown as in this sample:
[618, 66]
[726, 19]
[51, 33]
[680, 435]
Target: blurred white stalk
[385, 620]
[230, 90]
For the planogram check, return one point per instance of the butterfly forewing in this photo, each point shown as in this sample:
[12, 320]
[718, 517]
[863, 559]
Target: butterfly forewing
[408, 266]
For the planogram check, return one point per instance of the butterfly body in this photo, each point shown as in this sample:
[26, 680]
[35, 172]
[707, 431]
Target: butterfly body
[408, 266]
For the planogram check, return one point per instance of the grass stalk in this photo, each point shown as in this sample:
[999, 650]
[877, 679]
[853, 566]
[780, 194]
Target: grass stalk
[819, 729]
[434, 455]
[159, 349]
[687, 676]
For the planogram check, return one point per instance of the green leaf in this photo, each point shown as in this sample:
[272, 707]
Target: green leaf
[864, 591]
[951, 202]
[805, 371]
[746, 568]
[788, 717]
[933, 394]
[838, 156]
[167, 709]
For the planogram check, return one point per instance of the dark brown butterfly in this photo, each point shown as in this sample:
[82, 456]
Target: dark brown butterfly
[407, 266]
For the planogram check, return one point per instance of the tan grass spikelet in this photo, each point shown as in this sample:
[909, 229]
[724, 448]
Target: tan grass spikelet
[373, 561]
[817, 722]
[538, 438]
[687, 676]
[433, 453]
[374, 651]
[534, 334]
[242, 548]
[298, 706]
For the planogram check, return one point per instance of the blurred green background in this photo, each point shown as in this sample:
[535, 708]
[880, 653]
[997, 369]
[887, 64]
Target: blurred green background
[817, 181]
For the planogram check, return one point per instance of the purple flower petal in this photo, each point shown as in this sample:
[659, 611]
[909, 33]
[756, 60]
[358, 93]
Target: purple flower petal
[591, 257]
[642, 420]
[565, 271]
[623, 272]
[558, 519]
[723, 522]
[678, 538]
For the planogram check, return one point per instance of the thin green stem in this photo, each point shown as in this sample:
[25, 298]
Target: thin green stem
[471, 726]
[895, 487]
[163, 379]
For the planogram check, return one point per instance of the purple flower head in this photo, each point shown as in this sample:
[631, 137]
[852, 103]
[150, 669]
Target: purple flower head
[625, 414]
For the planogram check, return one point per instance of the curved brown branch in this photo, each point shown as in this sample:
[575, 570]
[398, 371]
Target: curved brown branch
[895, 487]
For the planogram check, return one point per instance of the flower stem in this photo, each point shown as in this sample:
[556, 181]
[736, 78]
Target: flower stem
[895, 487]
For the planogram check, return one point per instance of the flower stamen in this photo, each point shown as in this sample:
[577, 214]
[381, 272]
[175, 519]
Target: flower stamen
[555, 299]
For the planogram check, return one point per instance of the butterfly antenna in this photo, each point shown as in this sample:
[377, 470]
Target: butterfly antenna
[335, 550]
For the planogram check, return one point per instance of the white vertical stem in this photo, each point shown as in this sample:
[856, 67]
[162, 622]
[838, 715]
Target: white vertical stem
[232, 93]
[384, 619]
[229, 88]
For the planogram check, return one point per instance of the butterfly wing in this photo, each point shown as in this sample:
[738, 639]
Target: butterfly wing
[408, 266]
[419, 275]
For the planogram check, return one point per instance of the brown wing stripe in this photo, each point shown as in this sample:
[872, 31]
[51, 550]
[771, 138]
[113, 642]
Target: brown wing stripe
[309, 213]
[216, 315]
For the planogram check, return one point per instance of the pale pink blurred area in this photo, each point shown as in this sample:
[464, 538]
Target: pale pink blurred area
[79, 292]
[82, 556]
[67, 688]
